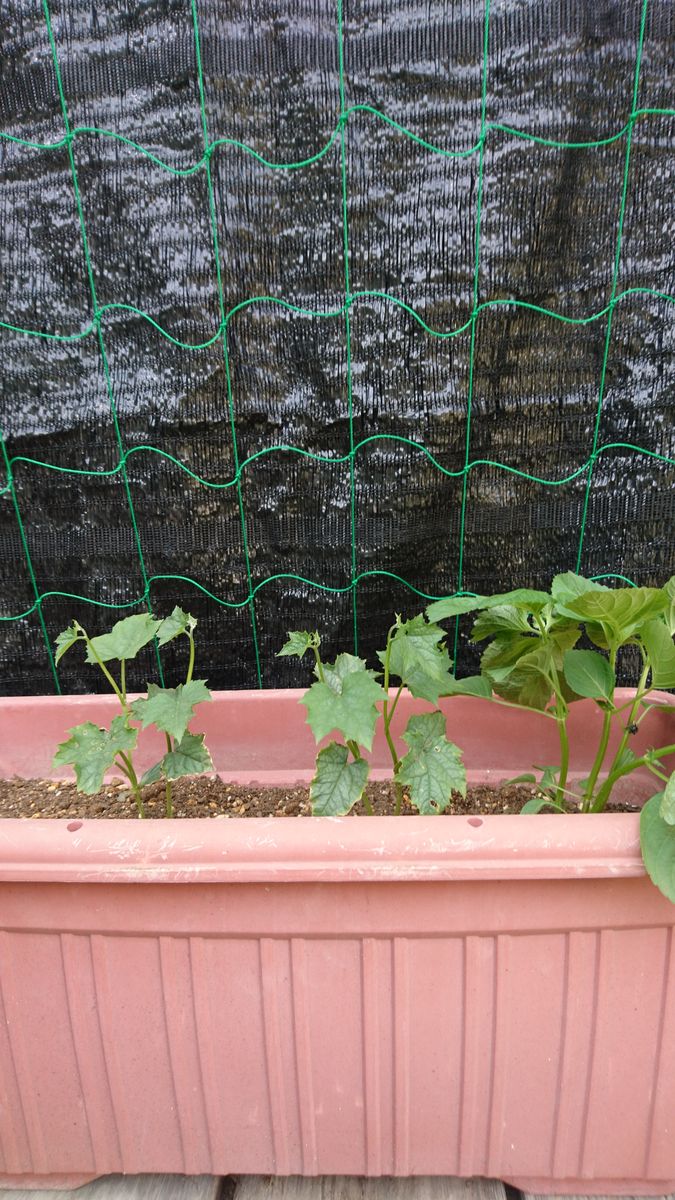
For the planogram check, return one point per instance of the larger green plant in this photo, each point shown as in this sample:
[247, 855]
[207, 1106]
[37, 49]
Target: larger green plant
[92, 750]
[533, 660]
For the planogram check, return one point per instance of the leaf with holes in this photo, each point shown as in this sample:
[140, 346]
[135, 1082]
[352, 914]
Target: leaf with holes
[345, 701]
[170, 709]
[92, 751]
[338, 784]
[432, 769]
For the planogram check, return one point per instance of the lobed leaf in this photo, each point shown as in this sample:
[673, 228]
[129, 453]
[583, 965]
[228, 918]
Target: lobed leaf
[170, 709]
[345, 701]
[299, 641]
[91, 751]
[66, 639]
[589, 674]
[657, 841]
[418, 657]
[174, 625]
[432, 769]
[338, 784]
[189, 757]
[125, 639]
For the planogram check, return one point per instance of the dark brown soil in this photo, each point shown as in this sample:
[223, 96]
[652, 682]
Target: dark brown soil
[202, 796]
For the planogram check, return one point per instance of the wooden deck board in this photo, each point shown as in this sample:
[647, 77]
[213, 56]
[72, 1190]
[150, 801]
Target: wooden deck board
[430, 1187]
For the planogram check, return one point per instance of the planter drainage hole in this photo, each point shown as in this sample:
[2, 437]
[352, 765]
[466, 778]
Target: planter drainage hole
[73, 826]
[475, 821]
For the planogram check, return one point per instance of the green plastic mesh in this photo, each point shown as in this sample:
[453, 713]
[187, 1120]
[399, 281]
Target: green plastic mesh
[462, 379]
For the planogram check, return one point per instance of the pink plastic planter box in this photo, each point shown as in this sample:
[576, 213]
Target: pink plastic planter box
[366, 996]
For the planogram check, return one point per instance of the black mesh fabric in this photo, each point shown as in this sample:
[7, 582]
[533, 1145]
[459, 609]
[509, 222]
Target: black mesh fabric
[369, 463]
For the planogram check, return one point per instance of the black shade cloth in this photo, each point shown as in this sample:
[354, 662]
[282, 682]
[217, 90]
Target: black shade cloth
[451, 437]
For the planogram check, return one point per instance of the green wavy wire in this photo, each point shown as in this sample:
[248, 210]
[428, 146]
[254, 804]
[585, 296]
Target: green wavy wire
[337, 136]
[491, 127]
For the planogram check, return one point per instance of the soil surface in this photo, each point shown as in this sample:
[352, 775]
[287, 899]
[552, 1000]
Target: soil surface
[204, 796]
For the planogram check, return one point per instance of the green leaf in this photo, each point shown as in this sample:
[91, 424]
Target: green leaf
[125, 639]
[298, 643]
[471, 685]
[345, 701]
[536, 804]
[338, 784]
[669, 611]
[174, 625]
[502, 618]
[589, 674]
[568, 587]
[529, 681]
[170, 709]
[91, 751]
[619, 612]
[667, 806]
[657, 840]
[152, 775]
[189, 757]
[658, 643]
[432, 769]
[417, 656]
[66, 639]
[527, 599]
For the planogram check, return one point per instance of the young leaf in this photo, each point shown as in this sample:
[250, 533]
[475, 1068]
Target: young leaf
[66, 639]
[527, 599]
[657, 841]
[417, 656]
[620, 612]
[432, 769]
[568, 587]
[125, 639]
[658, 643]
[170, 709]
[667, 806]
[153, 774]
[92, 751]
[536, 804]
[299, 642]
[471, 685]
[189, 757]
[502, 618]
[174, 625]
[338, 784]
[346, 701]
[589, 674]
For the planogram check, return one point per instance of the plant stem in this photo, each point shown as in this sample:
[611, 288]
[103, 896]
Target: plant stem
[564, 756]
[120, 696]
[191, 661]
[123, 681]
[605, 790]
[644, 761]
[167, 789]
[588, 798]
[387, 714]
[319, 665]
[128, 770]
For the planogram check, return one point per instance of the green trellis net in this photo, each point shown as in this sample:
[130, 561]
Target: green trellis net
[461, 380]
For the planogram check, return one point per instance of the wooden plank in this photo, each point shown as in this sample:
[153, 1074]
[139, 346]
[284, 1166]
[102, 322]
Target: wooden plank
[423, 1187]
[131, 1187]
